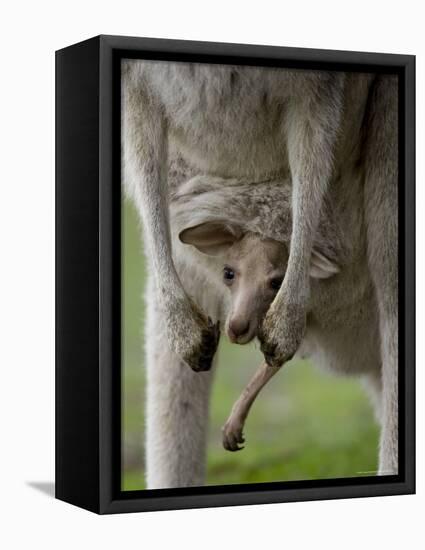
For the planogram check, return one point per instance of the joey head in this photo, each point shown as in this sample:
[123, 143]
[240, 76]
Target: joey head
[252, 268]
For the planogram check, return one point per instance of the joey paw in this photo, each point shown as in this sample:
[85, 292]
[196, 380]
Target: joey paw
[232, 435]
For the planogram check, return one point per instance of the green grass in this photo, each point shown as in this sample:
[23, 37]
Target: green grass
[305, 424]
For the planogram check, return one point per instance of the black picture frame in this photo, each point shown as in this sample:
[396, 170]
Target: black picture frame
[88, 427]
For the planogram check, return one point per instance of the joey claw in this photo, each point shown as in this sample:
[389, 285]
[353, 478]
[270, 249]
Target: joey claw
[232, 437]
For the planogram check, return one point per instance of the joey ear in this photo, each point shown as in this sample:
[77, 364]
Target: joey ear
[321, 267]
[212, 238]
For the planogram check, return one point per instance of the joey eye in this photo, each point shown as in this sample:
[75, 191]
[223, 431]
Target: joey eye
[276, 283]
[228, 274]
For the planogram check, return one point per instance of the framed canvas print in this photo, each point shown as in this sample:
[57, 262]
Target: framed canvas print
[235, 274]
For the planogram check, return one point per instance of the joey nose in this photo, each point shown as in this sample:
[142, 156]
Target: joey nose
[238, 328]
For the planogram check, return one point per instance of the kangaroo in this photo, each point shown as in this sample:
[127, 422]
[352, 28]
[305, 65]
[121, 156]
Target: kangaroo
[253, 271]
[252, 267]
[234, 121]
[313, 129]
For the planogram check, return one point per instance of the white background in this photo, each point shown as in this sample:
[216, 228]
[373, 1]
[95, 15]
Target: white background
[29, 34]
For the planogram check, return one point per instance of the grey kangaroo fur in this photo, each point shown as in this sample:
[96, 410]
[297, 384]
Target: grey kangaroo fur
[247, 230]
[333, 137]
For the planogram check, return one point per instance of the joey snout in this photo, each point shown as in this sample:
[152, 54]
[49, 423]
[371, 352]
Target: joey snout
[241, 330]
[245, 318]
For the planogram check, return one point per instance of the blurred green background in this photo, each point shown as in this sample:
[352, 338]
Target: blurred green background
[305, 424]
